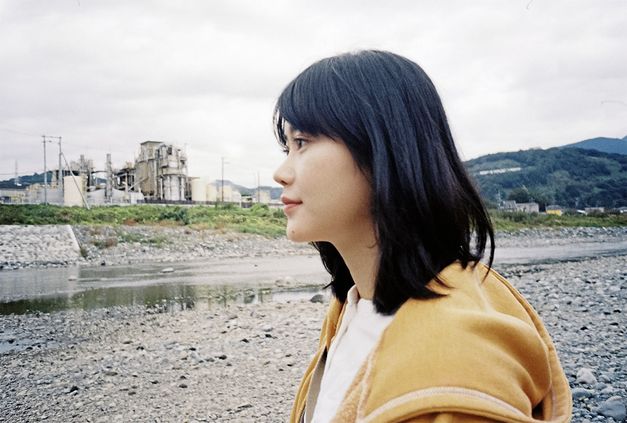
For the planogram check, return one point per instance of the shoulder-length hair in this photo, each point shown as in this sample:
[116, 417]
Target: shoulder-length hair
[426, 210]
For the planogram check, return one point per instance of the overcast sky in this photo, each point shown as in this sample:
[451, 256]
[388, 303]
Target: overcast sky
[204, 74]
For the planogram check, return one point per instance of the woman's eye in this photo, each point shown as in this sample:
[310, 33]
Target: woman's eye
[296, 144]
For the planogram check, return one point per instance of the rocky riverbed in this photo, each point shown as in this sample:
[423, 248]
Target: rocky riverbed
[243, 362]
[39, 246]
[95, 245]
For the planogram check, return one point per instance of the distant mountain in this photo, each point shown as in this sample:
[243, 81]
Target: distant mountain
[570, 177]
[607, 145]
[37, 178]
[275, 192]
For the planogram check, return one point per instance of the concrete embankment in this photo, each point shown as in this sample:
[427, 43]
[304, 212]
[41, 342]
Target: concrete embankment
[41, 245]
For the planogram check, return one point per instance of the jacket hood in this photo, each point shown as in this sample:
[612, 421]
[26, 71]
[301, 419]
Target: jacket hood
[479, 350]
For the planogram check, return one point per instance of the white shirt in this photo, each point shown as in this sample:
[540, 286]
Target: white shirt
[359, 331]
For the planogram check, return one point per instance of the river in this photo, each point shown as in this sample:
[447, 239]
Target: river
[209, 283]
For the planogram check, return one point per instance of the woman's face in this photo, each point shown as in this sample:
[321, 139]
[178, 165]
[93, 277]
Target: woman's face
[326, 196]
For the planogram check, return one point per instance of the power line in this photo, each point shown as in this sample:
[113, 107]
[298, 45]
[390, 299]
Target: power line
[18, 132]
[614, 102]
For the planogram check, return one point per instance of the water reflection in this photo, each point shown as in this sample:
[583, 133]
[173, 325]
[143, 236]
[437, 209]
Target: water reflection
[164, 298]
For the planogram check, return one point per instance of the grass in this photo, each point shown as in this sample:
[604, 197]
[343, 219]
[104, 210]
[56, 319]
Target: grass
[257, 220]
[513, 221]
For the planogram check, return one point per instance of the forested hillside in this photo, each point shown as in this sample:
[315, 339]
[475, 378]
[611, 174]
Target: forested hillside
[570, 177]
[606, 145]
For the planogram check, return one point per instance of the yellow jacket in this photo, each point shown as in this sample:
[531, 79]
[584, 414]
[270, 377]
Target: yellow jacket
[480, 353]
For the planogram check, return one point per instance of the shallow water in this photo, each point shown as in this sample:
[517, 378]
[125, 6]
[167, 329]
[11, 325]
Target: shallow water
[204, 284]
[189, 285]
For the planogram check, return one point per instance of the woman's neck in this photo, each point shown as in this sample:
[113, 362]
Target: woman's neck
[361, 256]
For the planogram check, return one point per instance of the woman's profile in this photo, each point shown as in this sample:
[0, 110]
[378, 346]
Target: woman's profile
[418, 329]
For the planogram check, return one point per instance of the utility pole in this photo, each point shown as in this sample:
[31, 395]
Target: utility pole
[258, 189]
[60, 174]
[45, 172]
[109, 182]
[16, 181]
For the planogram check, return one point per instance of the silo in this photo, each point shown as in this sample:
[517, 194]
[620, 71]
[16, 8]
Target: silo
[212, 192]
[199, 190]
[71, 192]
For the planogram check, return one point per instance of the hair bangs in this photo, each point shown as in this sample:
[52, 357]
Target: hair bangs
[307, 106]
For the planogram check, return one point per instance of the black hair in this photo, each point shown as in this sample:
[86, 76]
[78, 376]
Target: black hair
[426, 210]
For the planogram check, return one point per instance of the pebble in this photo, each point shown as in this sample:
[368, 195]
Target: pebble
[585, 375]
[318, 298]
[579, 393]
[613, 407]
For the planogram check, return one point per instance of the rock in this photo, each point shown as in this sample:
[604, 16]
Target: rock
[267, 328]
[74, 388]
[318, 298]
[582, 393]
[167, 270]
[608, 390]
[585, 375]
[613, 407]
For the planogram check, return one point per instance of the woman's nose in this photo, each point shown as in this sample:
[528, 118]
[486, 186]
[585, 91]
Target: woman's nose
[284, 174]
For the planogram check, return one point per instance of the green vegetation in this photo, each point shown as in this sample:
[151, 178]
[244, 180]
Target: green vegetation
[513, 221]
[570, 177]
[259, 219]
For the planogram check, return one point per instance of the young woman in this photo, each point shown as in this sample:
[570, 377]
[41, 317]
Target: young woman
[418, 329]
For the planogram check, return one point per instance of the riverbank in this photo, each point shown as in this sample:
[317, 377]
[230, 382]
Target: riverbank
[47, 246]
[100, 245]
[243, 362]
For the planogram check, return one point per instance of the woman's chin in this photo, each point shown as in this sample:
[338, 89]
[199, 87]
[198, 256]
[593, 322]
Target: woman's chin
[295, 235]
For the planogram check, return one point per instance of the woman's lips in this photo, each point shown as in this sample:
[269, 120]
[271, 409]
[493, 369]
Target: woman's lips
[289, 203]
[290, 206]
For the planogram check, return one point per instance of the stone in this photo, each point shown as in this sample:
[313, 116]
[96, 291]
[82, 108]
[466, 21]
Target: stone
[582, 393]
[318, 298]
[608, 390]
[613, 407]
[585, 375]
[74, 388]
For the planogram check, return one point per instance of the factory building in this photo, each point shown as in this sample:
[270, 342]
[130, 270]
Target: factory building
[158, 174]
[161, 171]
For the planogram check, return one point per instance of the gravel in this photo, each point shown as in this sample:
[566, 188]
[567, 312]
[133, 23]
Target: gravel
[583, 305]
[242, 362]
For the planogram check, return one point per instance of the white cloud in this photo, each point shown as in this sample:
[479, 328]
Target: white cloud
[107, 75]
